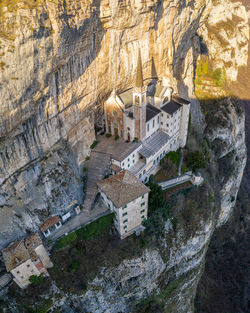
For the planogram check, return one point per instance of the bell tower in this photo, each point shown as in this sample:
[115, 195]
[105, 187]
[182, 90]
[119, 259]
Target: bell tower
[139, 102]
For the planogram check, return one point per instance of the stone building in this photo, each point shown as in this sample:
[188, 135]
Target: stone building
[152, 115]
[127, 197]
[25, 258]
[50, 225]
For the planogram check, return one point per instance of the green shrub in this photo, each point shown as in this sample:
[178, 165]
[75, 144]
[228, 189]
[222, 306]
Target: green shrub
[66, 240]
[36, 280]
[74, 266]
[87, 158]
[168, 165]
[160, 211]
[136, 139]
[94, 144]
[196, 160]
[174, 223]
[174, 156]
[220, 76]
[167, 291]
[156, 199]
[116, 137]
[85, 169]
[108, 135]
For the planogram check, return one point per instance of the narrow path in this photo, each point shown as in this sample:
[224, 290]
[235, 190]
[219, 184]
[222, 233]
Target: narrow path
[81, 220]
[175, 181]
[181, 161]
[97, 167]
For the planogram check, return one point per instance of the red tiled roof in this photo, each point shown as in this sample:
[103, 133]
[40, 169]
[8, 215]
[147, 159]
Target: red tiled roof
[50, 222]
[122, 188]
[21, 251]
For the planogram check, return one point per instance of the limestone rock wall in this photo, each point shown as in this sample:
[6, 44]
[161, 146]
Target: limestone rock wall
[226, 134]
[227, 31]
[59, 61]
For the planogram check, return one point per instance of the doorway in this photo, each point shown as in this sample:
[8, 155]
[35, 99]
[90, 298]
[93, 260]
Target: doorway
[129, 136]
[116, 131]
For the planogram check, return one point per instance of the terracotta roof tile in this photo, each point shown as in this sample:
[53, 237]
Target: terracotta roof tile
[115, 167]
[20, 251]
[50, 222]
[122, 188]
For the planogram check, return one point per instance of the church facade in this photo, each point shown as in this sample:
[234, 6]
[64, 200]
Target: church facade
[151, 115]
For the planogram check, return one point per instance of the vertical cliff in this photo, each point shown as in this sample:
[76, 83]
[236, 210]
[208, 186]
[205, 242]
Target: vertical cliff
[58, 62]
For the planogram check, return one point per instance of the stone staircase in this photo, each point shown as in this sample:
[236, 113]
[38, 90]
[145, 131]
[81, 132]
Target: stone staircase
[97, 167]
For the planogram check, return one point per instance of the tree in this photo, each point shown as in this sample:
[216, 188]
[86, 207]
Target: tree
[168, 165]
[36, 280]
[196, 160]
[156, 199]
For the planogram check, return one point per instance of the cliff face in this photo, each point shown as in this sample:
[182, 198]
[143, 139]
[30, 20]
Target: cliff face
[226, 30]
[58, 62]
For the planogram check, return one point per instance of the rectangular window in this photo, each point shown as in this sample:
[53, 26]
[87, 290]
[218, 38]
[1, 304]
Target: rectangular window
[142, 216]
[128, 159]
[142, 196]
[125, 226]
[133, 161]
[161, 114]
[124, 214]
[122, 163]
[124, 207]
[153, 123]
[142, 211]
[143, 203]
[148, 128]
[158, 119]
[167, 125]
[128, 165]
[133, 155]
[125, 221]
[161, 123]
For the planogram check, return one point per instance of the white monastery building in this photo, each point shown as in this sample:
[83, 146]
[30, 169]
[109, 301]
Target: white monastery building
[127, 197]
[25, 258]
[153, 117]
